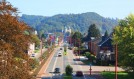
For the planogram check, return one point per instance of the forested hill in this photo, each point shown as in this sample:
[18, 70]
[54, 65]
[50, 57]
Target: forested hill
[79, 22]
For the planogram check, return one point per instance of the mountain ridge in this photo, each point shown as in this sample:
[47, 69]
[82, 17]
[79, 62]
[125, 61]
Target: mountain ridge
[77, 22]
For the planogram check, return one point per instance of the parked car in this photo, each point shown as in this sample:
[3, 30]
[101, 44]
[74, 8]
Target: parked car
[32, 55]
[79, 73]
[83, 58]
[57, 70]
[59, 54]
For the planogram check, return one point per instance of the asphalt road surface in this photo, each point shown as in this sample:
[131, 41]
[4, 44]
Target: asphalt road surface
[62, 62]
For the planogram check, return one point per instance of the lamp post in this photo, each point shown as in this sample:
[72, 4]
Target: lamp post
[116, 61]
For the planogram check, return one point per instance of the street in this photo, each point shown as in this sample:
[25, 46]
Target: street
[62, 62]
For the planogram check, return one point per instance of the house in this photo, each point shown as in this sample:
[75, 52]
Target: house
[93, 45]
[31, 48]
[106, 49]
[102, 48]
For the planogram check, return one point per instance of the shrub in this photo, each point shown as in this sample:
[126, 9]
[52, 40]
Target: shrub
[34, 63]
[69, 70]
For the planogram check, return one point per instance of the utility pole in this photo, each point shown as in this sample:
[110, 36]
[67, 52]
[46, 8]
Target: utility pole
[79, 49]
[116, 59]
[41, 48]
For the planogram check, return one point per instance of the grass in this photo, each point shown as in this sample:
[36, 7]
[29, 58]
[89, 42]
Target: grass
[36, 51]
[121, 75]
[67, 76]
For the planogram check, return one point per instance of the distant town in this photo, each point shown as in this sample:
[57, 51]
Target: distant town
[65, 48]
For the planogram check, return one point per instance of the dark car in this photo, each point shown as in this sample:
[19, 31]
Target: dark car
[79, 73]
[70, 47]
[60, 48]
[57, 70]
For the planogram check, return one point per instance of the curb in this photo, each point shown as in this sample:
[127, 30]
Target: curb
[44, 67]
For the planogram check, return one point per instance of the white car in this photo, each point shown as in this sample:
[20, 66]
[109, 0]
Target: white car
[59, 54]
[83, 58]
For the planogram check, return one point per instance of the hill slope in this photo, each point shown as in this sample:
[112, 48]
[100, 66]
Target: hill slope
[79, 22]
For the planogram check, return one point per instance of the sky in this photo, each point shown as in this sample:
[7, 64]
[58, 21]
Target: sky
[106, 8]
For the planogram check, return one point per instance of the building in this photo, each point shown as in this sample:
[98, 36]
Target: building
[32, 45]
[106, 49]
[93, 45]
[102, 48]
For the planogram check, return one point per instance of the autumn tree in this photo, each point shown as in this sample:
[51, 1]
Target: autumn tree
[124, 38]
[13, 44]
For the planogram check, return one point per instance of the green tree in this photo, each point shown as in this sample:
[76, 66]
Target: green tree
[36, 40]
[124, 37]
[106, 34]
[93, 31]
[76, 38]
[69, 70]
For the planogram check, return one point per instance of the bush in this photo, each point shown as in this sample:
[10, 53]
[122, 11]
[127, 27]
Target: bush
[69, 70]
[33, 63]
[90, 56]
[67, 77]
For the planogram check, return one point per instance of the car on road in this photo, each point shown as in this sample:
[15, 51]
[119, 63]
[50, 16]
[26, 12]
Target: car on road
[70, 48]
[59, 54]
[57, 70]
[60, 48]
[79, 73]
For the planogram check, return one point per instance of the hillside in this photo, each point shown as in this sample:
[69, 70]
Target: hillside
[79, 22]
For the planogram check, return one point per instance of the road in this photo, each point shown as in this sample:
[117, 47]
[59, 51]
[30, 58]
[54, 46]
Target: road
[62, 62]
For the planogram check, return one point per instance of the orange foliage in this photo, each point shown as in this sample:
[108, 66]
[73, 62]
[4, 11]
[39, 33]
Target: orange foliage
[13, 44]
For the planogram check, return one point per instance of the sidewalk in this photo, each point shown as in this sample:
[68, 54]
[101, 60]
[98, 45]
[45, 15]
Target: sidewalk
[45, 66]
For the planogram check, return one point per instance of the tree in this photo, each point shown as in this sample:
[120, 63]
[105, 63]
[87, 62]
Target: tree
[93, 31]
[69, 70]
[36, 40]
[124, 37]
[76, 38]
[14, 40]
[106, 34]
